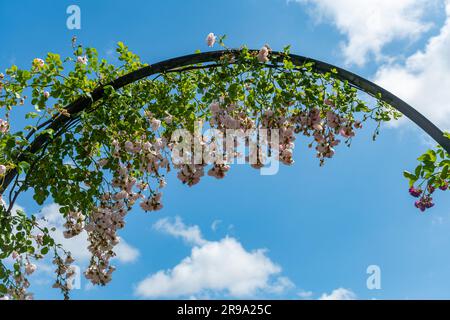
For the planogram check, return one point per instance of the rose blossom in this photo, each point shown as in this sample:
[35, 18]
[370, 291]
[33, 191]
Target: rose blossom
[15, 255]
[168, 119]
[214, 107]
[129, 146]
[30, 268]
[263, 54]
[211, 39]
[38, 63]
[4, 126]
[155, 124]
[82, 60]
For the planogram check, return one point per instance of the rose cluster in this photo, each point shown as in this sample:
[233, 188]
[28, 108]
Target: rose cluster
[19, 289]
[64, 274]
[74, 224]
[425, 200]
[137, 161]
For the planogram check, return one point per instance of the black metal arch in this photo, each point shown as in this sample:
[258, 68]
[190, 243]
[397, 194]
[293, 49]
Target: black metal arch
[360, 83]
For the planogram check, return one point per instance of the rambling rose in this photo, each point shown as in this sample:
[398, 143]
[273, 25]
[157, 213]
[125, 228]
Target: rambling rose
[30, 268]
[263, 54]
[155, 124]
[4, 126]
[82, 60]
[211, 39]
[38, 63]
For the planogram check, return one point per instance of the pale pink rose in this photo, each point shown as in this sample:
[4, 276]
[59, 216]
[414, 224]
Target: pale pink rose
[38, 63]
[319, 138]
[214, 107]
[120, 195]
[159, 143]
[4, 126]
[155, 124]
[137, 147]
[263, 54]
[82, 60]
[317, 127]
[211, 39]
[321, 148]
[15, 255]
[129, 146]
[335, 143]
[30, 268]
[346, 132]
[2, 169]
[39, 238]
[168, 119]
[287, 153]
[46, 94]
[146, 146]
[330, 153]
[69, 259]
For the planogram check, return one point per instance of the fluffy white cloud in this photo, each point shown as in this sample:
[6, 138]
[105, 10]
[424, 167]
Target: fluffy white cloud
[339, 294]
[178, 229]
[424, 79]
[213, 267]
[371, 24]
[78, 245]
[125, 252]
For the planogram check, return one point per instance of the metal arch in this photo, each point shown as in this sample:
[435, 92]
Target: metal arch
[318, 66]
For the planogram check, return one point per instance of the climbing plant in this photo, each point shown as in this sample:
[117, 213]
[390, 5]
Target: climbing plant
[98, 162]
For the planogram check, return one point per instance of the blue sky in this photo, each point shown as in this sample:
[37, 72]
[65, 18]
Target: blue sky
[307, 231]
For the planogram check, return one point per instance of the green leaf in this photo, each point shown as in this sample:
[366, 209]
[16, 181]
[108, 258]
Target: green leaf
[3, 289]
[31, 115]
[409, 175]
[23, 167]
[444, 172]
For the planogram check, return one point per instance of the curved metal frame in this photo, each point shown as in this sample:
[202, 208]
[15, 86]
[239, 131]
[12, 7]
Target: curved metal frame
[360, 83]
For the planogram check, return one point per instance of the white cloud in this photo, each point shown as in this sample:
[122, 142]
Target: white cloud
[78, 245]
[339, 294]
[424, 79]
[222, 267]
[125, 252]
[369, 25]
[178, 229]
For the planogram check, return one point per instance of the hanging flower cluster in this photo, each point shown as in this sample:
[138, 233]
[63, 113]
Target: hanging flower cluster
[21, 283]
[74, 224]
[430, 175]
[64, 274]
